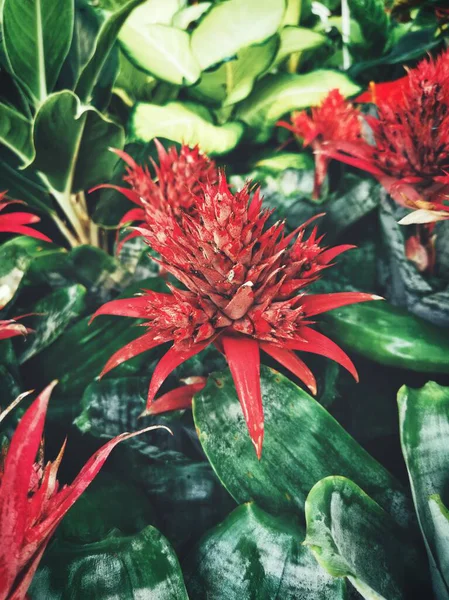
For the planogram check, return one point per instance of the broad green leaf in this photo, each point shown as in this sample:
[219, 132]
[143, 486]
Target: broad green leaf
[255, 555]
[232, 25]
[181, 122]
[139, 566]
[72, 143]
[53, 314]
[390, 335]
[424, 428]
[188, 15]
[24, 186]
[302, 444]
[16, 256]
[99, 511]
[105, 41]
[234, 79]
[15, 132]
[36, 37]
[133, 85]
[373, 21]
[352, 536]
[157, 48]
[279, 94]
[298, 39]
[280, 161]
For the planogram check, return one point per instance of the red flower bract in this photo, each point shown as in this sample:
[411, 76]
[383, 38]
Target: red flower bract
[410, 155]
[244, 292]
[31, 502]
[334, 119]
[178, 177]
[18, 222]
[10, 328]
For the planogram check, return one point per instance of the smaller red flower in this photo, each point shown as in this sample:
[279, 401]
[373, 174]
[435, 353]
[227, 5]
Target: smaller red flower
[380, 92]
[18, 222]
[32, 504]
[178, 178]
[335, 119]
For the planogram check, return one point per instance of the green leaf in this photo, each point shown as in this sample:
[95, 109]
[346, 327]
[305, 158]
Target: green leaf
[72, 143]
[24, 186]
[234, 80]
[105, 41]
[298, 39]
[133, 85]
[279, 94]
[16, 256]
[230, 26]
[373, 21]
[139, 566]
[15, 132]
[188, 15]
[53, 314]
[157, 48]
[99, 511]
[302, 444]
[255, 555]
[183, 123]
[352, 536]
[280, 161]
[36, 37]
[389, 335]
[424, 427]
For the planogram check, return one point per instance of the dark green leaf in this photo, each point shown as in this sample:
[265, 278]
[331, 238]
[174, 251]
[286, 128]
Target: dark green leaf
[255, 555]
[15, 132]
[373, 21]
[302, 444]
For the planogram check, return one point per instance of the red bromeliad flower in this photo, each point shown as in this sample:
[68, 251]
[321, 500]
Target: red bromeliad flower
[31, 502]
[10, 328]
[178, 179]
[18, 222]
[386, 91]
[334, 120]
[410, 156]
[244, 293]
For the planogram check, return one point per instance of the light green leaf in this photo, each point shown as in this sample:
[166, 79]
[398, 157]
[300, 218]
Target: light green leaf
[15, 132]
[72, 143]
[424, 428]
[184, 123]
[188, 15]
[302, 444]
[255, 555]
[280, 161]
[298, 39]
[232, 25]
[103, 46]
[440, 520]
[352, 536]
[53, 314]
[277, 95]
[36, 37]
[234, 80]
[160, 50]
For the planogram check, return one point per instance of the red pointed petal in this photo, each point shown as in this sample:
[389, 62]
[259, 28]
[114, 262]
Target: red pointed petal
[134, 348]
[130, 194]
[290, 361]
[316, 304]
[176, 399]
[28, 231]
[331, 253]
[317, 343]
[168, 363]
[243, 358]
[18, 218]
[71, 494]
[124, 307]
[15, 485]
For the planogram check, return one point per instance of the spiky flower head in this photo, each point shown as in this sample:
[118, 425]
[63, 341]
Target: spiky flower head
[334, 119]
[244, 291]
[410, 154]
[18, 222]
[32, 503]
[178, 178]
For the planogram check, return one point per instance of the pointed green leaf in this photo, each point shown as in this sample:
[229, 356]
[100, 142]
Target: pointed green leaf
[53, 314]
[36, 37]
[255, 555]
[352, 536]
[424, 427]
[139, 566]
[278, 162]
[184, 123]
[15, 132]
[279, 94]
[298, 39]
[302, 444]
[188, 15]
[390, 335]
[72, 143]
[233, 23]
